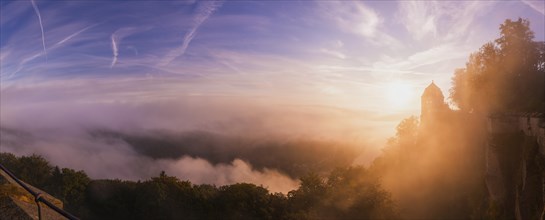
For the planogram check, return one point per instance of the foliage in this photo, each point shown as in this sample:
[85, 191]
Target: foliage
[69, 186]
[65, 184]
[347, 193]
[434, 172]
[34, 169]
[507, 74]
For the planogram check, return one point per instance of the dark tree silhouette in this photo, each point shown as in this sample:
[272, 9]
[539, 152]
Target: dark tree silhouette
[348, 193]
[507, 74]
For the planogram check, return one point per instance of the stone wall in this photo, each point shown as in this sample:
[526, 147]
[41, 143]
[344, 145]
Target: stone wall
[17, 204]
[515, 156]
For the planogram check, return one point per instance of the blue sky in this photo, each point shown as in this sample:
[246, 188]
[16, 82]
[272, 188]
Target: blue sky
[372, 56]
[345, 72]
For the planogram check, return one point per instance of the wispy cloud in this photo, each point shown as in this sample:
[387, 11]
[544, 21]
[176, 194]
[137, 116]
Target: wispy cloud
[333, 53]
[426, 20]
[536, 5]
[114, 50]
[133, 48]
[25, 60]
[412, 67]
[430, 56]
[3, 55]
[73, 35]
[353, 17]
[463, 17]
[41, 25]
[204, 11]
[116, 38]
[357, 18]
[255, 48]
[418, 18]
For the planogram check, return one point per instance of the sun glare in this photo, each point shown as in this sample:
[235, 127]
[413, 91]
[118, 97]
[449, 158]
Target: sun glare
[399, 93]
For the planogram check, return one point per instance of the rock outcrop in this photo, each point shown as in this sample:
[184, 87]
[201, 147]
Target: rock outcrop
[515, 164]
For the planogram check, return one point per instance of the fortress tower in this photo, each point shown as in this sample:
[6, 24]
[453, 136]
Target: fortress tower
[433, 104]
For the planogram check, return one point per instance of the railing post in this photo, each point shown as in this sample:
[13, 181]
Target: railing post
[38, 197]
[37, 200]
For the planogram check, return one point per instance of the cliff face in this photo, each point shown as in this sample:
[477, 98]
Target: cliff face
[17, 203]
[515, 165]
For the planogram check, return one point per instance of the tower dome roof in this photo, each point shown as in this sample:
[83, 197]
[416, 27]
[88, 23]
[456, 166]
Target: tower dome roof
[432, 91]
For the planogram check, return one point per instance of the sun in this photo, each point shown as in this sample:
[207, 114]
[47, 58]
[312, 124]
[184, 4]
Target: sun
[399, 93]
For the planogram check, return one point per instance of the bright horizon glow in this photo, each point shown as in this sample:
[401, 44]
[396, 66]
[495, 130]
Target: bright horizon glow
[399, 94]
[369, 57]
[340, 71]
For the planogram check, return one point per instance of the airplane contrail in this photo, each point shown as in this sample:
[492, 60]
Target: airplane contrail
[114, 50]
[41, 26]
[73, 35]
[118, 36]
[204, 11]
[536, 5]
[55, 46]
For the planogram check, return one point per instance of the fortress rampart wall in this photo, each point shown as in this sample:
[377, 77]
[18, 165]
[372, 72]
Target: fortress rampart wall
[530, 126]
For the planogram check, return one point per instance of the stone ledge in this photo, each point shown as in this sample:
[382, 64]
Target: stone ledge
[18, 204]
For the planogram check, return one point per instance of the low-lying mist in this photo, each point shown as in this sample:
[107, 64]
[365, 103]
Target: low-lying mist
[197, 156]
[202, 139]
[294, 157]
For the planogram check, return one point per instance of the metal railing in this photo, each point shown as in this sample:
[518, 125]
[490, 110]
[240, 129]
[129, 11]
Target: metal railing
[38, 197]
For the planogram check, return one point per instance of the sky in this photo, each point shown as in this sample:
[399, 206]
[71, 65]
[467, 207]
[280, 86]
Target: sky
[344, 54]
[333, 69]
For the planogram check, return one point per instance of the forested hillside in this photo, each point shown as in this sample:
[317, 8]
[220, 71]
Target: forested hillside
[345, 193]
